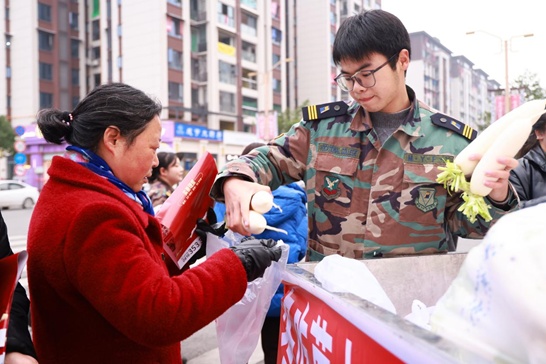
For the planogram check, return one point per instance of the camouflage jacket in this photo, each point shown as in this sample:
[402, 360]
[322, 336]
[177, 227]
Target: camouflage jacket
[367, 200]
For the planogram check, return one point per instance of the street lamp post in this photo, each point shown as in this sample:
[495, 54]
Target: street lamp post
[504, 43]
[268, 75]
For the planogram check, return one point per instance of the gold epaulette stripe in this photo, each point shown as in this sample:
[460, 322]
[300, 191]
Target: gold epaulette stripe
[312, 111]
[467, 132]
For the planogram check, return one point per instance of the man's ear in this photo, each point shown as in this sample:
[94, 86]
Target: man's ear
[111, 138]
[404, 59]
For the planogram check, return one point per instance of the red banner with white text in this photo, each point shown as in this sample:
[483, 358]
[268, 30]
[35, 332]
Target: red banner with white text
[313, 332]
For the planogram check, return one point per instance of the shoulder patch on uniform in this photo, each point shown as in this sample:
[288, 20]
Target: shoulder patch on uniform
[454, 125]
[323, 111]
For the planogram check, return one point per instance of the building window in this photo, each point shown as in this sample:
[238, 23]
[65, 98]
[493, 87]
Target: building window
[73, 19]
[46, 100]
[277, 85]
[275, 10]
[46, 71]
[275, 58]
[226, 15]
[249, 52]
[276, 35]
[95, 53]
[250, 3]
[249, 24]
[75, 77]
[75, 48]
[227, 73]
[175, 2]
[45, 41]
[95, 29]
[176, 91]
[226, 39]
[174, 27]
[75, 101]
[44, 12]
[227, 102]
[175, 59]
[250, 106]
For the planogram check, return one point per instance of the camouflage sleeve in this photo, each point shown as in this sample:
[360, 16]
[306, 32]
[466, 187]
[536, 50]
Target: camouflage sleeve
[283, 160]
[459, 224]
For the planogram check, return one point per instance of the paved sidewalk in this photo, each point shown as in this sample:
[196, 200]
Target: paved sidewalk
[202, 348]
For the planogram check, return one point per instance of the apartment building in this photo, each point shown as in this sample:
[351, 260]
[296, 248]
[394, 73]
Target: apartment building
[221, 68]
[317, 24]
[448, 83]
[218, 66]
[429, 71]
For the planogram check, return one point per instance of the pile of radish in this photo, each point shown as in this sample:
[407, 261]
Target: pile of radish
[260, 203]
[504, 137]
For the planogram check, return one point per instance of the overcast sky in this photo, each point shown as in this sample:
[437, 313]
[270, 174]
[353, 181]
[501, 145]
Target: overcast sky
[449, 20]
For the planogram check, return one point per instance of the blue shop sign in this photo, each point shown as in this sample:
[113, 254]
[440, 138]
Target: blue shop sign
[197, 132]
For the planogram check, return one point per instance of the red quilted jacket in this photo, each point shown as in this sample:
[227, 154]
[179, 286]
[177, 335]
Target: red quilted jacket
[99, 288]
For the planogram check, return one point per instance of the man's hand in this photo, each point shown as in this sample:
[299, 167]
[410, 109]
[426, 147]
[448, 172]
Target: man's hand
[237, 194]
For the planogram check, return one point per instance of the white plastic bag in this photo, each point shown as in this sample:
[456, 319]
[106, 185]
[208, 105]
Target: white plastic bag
[340, 274]
[420, 314]
[495, 306]
[238, 329]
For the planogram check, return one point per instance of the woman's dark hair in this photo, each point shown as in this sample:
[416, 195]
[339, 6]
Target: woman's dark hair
[166, 159]
[532, 139]
[372, 31]
[115, 104]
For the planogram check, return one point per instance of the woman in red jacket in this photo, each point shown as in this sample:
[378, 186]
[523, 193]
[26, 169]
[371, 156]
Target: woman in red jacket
[100, 289]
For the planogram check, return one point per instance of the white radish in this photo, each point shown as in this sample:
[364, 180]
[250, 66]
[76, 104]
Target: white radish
[261, 202]
[508, 143]
[487, 137]
[257, 224]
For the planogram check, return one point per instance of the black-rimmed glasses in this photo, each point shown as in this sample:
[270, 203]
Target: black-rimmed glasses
[364, 78]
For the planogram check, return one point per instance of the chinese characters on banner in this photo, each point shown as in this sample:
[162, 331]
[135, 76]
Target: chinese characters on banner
[313, 332]
[267, 128]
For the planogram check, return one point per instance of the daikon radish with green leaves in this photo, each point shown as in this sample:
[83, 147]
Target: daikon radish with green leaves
[453, 175]
[508, 143]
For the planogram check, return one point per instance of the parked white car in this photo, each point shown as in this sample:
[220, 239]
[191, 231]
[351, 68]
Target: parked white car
[17, 194]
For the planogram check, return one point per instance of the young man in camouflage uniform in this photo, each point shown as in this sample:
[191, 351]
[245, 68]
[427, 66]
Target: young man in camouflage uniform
[370, 167]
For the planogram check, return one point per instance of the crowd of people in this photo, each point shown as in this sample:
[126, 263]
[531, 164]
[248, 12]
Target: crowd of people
[99, 285]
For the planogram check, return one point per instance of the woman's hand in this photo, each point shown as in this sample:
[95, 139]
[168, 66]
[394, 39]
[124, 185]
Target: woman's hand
[18, 358]
[497, 179]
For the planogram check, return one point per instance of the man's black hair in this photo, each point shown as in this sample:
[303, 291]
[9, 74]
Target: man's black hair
[372, 31]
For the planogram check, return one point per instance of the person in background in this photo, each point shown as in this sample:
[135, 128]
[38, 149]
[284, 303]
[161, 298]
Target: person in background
[370, 166]
[100, 287]
[529, 177]
[181, 157]
[165, 176]
[291, 215]
[19, 346]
